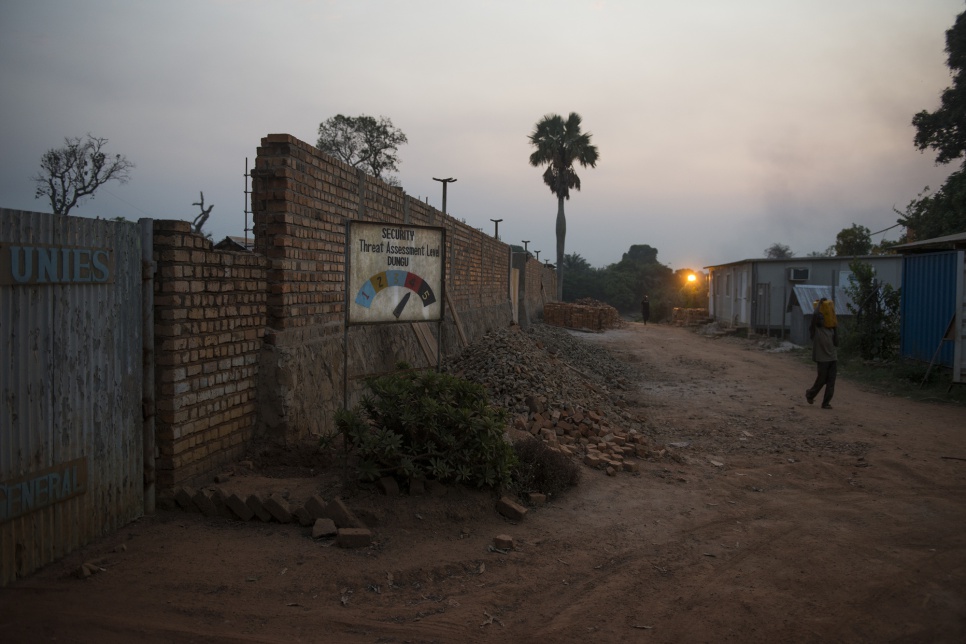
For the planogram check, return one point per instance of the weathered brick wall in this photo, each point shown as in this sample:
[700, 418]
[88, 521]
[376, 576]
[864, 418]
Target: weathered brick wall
[252, 344]
[301, 200]
[210, 316]
[541, 285]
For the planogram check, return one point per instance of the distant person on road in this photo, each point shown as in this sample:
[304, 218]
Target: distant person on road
[645, 309]
[824, 342]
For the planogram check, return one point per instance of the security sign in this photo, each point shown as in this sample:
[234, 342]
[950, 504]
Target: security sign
[394, 273]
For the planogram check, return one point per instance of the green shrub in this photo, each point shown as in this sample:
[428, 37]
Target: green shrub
[428, 424]
[542, 469]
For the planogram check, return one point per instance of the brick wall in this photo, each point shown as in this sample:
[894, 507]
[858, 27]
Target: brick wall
[251, 344]
[301, 200]
[210, 316]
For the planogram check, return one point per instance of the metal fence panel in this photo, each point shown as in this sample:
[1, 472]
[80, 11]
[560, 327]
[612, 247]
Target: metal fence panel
[928, 304]
[71, 462]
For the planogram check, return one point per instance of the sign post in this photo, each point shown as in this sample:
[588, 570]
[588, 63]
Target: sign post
[394, 274]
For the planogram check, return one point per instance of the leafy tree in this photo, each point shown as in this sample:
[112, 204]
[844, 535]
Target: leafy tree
[943, 213]
[71, 173]
[778, 251]
[853, 241]
[559, 144]
[875, 305]
[943, 129]
[625, 283]
[363, 142]
[938, 214]
[640, 254]
[582, 278]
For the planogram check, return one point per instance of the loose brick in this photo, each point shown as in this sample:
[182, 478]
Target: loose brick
[218, 498]
[239, 508]
[537, 498]
[324, 528]
[203, 502]
[315, 506]
[256, 503]
[185, 497]
[342, 515]
[303, 516]
[279, 509]
[511, 509]
[353, 538]
[503, 542]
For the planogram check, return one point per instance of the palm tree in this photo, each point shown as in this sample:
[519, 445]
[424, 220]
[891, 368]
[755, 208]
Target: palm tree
[559, 144]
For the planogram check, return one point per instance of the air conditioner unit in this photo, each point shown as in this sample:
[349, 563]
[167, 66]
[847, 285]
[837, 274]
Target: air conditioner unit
[798, 274]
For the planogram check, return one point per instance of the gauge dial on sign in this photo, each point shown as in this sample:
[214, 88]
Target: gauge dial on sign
[393, 280]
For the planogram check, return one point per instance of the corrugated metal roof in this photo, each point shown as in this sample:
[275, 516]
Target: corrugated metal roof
[796, 260]
[947, 242]
[805, 295]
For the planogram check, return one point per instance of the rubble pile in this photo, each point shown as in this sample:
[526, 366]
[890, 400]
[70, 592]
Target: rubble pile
[560, 390]
[583, 314]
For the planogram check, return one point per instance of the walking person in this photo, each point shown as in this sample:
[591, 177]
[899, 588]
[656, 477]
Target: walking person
[823, 331]
[645, 309]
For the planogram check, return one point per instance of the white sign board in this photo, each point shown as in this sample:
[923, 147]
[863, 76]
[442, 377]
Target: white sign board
[394, 273]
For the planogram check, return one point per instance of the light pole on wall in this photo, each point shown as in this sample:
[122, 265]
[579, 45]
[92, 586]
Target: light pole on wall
[496, 230]
[538, 254]
[525, 242]
[444, 182]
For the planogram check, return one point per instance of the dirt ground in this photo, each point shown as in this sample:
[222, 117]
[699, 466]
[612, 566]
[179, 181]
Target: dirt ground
[778, 522]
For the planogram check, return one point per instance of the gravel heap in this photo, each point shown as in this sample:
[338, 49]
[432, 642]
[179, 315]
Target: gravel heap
[560, 389]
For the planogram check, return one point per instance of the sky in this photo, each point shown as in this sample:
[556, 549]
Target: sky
[722, 127]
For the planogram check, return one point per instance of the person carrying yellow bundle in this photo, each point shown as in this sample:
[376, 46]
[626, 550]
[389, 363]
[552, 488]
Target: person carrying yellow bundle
[827, 309]
[824, 342]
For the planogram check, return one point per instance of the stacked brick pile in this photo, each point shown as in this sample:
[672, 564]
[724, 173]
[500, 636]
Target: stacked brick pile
[564, 391]
[587, 433]
[584, 314]
[689, 317]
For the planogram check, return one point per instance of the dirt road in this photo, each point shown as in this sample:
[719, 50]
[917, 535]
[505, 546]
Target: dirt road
[777, 522]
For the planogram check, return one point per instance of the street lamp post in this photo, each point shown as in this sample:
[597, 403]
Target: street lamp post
[444, 182]
[525, 242]
[496, 230]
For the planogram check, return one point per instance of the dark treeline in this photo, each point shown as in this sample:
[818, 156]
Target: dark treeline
[624, 284]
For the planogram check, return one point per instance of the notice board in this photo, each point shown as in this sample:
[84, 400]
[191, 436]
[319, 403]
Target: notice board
[394, 273]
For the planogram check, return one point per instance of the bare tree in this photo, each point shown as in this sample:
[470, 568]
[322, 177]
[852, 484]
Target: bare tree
[203, 217]
[75, 171]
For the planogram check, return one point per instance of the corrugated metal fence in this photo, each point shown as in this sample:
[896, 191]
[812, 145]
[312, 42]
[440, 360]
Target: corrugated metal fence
[928, 304]
[71, 461]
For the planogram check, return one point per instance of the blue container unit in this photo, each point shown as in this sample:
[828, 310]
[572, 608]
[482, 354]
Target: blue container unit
[928, 305]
